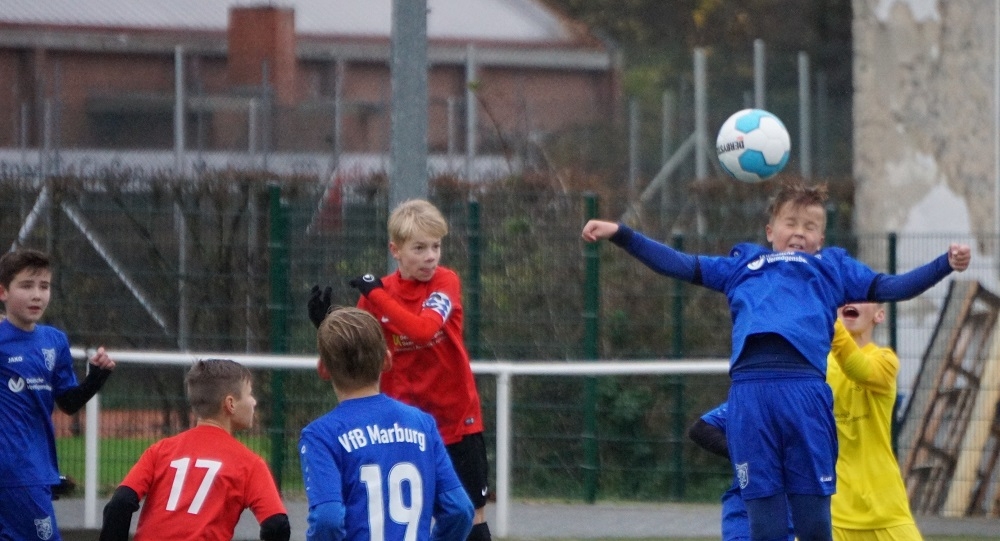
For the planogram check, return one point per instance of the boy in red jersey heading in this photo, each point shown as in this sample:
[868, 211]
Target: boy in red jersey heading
[197, 483]
[420, 309]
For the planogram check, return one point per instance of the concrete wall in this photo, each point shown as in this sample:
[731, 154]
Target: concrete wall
[925, 140]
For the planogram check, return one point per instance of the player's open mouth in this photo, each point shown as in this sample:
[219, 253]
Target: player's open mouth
[850, 312]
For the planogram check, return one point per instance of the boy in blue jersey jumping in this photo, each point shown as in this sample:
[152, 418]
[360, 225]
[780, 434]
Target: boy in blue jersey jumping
[36, 374]
[375, 468]
[781, 435]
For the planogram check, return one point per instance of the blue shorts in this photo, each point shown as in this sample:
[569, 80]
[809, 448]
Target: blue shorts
[782, 437]
[26, 513]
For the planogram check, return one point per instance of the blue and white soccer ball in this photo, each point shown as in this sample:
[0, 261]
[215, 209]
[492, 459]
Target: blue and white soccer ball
[753, 145]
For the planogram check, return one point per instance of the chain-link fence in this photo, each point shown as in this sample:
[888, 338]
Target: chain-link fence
[225, 262]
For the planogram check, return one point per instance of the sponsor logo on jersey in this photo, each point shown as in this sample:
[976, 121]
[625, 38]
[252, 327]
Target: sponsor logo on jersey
[43, 527]
[794, 257]
[440, 303]
[742, 475]
[15, 385]
[826, 479]
[756, 263]
[15, 359]
[50, 358]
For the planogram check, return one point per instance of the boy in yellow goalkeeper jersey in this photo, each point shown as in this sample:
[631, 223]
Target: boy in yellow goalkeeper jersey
[871, 502]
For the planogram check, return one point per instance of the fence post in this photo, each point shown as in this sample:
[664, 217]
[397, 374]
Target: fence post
[891, 269]
[474, 281]
[591, 309]
[278, 308]
[677, 352]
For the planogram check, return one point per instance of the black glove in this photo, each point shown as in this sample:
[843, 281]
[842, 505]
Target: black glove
[365, 284]
[319, 304]
[65, 487]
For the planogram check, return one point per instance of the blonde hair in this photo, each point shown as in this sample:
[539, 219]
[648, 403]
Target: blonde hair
[415, 216]
[351, 347]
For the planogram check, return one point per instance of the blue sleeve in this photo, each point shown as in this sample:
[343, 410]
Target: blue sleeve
[326, 522]
[453, 514]
[888, 287]
[717, 417]
[657, 256]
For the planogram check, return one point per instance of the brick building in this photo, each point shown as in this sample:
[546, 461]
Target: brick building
[305, 76]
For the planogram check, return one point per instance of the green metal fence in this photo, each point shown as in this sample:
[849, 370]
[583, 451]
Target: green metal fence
[225, 263]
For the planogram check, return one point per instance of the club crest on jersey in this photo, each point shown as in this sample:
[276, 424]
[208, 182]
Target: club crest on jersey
[742, 475]
[440, 303]
[50, 358]
[756, 264]
[43, 527]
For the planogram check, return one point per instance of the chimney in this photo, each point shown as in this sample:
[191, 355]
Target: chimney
[259, 35]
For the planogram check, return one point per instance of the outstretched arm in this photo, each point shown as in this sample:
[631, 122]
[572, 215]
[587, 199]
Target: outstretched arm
[657, 256]
[904, 286]
[98, 372]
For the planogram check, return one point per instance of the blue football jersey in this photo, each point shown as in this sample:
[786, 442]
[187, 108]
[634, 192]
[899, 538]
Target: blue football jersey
[35, 367]
[383, 460]
[793, 294]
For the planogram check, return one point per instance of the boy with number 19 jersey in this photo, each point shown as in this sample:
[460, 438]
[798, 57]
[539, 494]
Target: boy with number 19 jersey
[375, 468]
[384, 461]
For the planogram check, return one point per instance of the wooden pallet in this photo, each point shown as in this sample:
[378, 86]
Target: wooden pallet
[948, 396]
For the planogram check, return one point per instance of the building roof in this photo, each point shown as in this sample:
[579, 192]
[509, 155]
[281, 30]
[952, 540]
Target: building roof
[515, 21]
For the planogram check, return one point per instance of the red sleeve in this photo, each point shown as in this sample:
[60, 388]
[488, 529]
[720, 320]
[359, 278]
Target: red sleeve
[263, 498]
[419, 327]
[141, 476]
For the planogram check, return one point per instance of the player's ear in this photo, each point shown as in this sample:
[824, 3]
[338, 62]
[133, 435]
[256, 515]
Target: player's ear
[879, 315]
[324, 374]
[229, 404]
[387, 364]
[394, 250]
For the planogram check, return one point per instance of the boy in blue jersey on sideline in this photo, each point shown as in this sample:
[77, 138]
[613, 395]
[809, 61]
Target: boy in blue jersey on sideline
[781, 435]
[373, 467]
[709, 432]
[36, 374]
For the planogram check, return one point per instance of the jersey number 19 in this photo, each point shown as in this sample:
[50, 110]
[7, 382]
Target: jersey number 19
[401, 475]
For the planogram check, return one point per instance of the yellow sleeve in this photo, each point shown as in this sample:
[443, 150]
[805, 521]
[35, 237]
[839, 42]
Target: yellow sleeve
[873, 368]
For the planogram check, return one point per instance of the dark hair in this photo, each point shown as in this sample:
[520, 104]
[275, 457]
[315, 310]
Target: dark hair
[210, 381]
[351, 347]
[16, 261]
[794, 191]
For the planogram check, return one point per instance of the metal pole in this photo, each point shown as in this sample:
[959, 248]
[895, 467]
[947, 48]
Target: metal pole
[408, 142]
[470, 112]
[91, 461]
[700, 131]
[591, 309]
[759, 74]
[503, 454]
[805, 112]
[473, 313]
[633, 148]
[278, 308]
[179, 98]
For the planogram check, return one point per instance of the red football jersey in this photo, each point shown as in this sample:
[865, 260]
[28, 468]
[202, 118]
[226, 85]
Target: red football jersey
[422, 323]
[197, 483]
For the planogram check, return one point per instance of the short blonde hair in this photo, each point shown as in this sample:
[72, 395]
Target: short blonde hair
[351, 347]
[415, 216]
